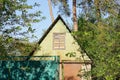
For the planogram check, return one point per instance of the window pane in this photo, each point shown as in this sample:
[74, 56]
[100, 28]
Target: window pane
[62, 45]
[58, 40]
[56, 37]
[62, 40]
[56, 45]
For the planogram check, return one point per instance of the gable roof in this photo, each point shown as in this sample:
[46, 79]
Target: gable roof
[51, 26]
[48, 30]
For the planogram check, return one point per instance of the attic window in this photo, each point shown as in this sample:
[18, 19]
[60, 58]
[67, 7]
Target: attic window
[59, 41]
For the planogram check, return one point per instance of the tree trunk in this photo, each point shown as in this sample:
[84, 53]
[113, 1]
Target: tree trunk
[75, 25]
[50, 10]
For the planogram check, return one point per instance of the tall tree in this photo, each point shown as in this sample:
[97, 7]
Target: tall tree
[75, 16]
[102, 45]
[64, 8]
[98, 36]
[16, 22]
[16, 15]
[50, 10]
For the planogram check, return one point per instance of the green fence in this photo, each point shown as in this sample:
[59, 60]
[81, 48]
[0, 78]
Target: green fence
[46, 68]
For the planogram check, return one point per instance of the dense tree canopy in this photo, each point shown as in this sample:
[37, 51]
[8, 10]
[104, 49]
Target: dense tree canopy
[15, 15]
[99, 35]
[103, 47]
[16, 18]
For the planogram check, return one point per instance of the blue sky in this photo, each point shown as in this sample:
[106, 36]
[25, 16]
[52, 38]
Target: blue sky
[44, 24]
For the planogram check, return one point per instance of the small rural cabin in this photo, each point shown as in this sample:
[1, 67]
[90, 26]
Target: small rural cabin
[58, 41]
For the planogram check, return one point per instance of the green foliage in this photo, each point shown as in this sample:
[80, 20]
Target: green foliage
[16, 19]
[101, 41]
[64, 7]
[71, 54]
[15, 47]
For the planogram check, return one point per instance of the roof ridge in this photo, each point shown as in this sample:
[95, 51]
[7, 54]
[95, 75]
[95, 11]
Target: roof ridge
[51, 26]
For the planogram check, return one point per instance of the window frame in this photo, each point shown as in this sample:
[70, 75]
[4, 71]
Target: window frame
[59, 48]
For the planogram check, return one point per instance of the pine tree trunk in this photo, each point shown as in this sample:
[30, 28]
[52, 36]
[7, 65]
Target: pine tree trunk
[50, 9]
[75, 25]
